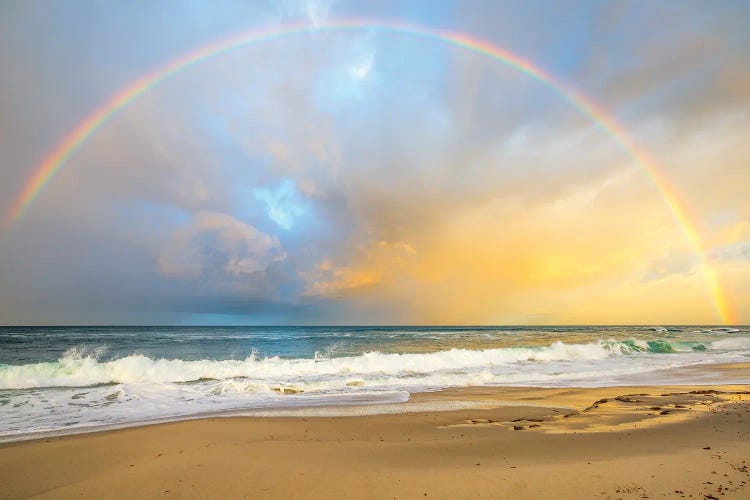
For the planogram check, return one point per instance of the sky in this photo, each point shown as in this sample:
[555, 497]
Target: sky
[371, 177]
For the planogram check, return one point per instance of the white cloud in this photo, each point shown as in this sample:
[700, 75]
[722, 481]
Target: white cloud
[215, 243]
[316, 11]
[362, 69]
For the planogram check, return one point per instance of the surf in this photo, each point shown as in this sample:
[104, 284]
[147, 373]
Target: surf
[81, 368]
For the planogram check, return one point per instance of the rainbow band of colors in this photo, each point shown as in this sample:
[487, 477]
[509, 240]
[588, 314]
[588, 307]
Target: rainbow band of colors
[46, 170]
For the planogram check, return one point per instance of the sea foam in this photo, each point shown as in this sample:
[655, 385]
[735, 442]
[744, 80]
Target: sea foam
[77, 368]
[88, 387]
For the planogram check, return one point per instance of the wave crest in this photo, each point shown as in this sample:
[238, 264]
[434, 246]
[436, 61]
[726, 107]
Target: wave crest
[79, 367]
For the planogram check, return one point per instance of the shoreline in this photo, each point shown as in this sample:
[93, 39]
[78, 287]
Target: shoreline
[608, 442]
[443, 399]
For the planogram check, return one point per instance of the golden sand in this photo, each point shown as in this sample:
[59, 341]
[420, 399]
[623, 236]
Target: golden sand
[624, 442]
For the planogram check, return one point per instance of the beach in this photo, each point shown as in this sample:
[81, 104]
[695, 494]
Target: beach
[610, 442]
[316, 249]
[386, 412]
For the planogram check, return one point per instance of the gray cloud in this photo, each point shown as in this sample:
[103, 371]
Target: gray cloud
[734, 251]
[215, 243]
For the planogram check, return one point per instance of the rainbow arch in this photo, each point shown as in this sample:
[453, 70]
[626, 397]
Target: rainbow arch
[56, 159]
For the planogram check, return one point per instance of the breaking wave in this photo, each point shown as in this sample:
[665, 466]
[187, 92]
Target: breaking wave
[79, 368]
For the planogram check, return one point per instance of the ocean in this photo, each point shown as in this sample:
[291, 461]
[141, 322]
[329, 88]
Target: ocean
[70, 379]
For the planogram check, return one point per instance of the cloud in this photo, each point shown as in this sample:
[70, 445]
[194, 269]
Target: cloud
[737, 251]
[677, 263]
[315, 11]
[215, 244]
[325, 281]
[376, 263]
[362, 69]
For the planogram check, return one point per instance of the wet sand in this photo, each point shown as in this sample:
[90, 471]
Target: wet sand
[616, 442]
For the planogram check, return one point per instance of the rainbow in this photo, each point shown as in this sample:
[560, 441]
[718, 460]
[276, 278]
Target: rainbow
[52, 164]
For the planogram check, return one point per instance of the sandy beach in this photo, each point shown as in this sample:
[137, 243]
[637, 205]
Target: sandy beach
[616, 442]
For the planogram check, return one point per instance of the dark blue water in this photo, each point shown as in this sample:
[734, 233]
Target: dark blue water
[22, 345]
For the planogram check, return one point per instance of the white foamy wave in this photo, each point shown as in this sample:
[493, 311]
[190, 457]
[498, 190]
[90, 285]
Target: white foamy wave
[732, 344]
[75, 391]
[78, 369]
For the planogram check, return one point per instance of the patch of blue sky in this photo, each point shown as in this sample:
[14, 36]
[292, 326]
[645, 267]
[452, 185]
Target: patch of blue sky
[409, 62]
[439, 13]
[343, 89]
[385, 67]
[283, 204]
[570, 55]
[350, 79]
